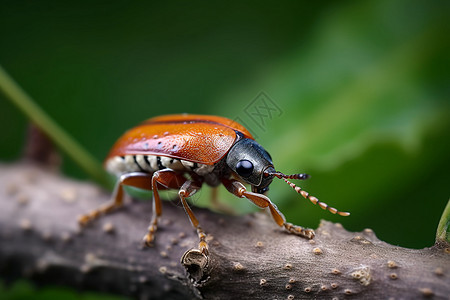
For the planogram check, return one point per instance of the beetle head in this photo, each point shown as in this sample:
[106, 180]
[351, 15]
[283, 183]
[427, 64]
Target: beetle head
[251, 163]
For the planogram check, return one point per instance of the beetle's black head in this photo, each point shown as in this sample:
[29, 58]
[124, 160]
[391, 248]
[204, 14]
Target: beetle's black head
[252, 164]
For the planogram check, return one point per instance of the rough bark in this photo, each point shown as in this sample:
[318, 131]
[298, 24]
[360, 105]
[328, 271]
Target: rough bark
[250, 256]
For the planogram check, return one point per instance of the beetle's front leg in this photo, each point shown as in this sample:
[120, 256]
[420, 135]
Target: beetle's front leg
[239, 190]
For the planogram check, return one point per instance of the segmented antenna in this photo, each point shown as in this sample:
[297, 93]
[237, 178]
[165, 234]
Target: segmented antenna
[314, 200]
[280, 175]
[304, 193]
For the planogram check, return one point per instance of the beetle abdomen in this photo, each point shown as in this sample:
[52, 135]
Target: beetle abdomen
[119, 165]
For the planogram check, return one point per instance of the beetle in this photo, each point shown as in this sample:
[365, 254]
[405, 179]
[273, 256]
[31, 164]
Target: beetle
[184, 151]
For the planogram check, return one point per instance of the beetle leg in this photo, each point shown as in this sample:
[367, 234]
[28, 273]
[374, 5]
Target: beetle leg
[167, 179]
[188, 189]
[170, 179]
[136, 179]
[239, 190]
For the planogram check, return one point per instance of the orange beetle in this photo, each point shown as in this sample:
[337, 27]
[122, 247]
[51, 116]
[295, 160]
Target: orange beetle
[214, 150]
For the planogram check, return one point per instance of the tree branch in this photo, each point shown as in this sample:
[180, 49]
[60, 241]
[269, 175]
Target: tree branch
[250, 256]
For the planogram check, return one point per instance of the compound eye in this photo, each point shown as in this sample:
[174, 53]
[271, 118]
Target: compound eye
[244, 168]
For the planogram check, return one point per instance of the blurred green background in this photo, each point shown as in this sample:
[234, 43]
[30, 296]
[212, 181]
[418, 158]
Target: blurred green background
[363, 91]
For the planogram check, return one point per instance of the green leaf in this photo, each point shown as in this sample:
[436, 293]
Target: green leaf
[443, 230]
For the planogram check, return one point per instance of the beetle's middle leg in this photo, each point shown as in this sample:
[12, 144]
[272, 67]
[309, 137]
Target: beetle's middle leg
[162, 179]
[167, 178]
[172, 180]
[189, 188]
[238, 189]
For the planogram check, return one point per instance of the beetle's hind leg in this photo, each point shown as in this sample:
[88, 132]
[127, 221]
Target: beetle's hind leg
[238, 189]
[137, 179]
